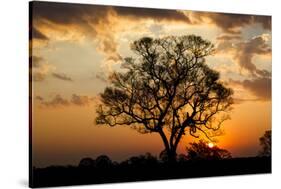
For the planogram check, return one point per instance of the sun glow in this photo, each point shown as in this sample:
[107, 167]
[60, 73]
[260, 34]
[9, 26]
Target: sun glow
[211, 145]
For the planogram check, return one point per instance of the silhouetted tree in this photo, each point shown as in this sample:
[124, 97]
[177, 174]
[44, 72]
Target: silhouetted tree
[87, 162]
[200, 150]
[167, 87]
[265, 142]
[182, 158]
[103, 162]
[163, 156]
[142, 160]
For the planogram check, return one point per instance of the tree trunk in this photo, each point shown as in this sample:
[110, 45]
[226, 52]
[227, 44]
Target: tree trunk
[170, 150]
[172, 156]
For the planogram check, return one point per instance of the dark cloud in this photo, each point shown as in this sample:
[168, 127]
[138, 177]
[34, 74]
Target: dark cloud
[94, 20]
[62, 13]
[36, 61]
[265, 21]
[90, 20]
[36, 34]
[245, 51]
[229, 23]
[57, 101]
[232, 23]
[227, 37]
[101, 76]
[62, 76]
[40, 98]
[263, 73]
[87, 16]
[260, 87]
[81, 100]
[39, 68]
[156, 14]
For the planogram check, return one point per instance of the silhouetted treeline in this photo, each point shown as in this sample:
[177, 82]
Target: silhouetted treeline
[143, 168]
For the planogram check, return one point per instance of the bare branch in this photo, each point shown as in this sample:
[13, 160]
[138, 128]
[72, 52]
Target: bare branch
[166, 85]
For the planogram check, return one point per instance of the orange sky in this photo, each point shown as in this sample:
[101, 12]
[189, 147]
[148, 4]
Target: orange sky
[76, 47]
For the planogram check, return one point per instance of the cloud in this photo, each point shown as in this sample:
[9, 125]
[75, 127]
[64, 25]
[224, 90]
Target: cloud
[156, 28]
[101, 76]
[90, 16]
[244, 52]
[150, 13]
[37, 35]
[36, 61]
[38, 76]
[228, 37]
[60, 101]
[265, 21]
[68, 14]
[62, 76]
[96, 21]
[103, 23]
[74, 20]
[241, 100]
[230, 23]
[81, 100]
[260, 87]
[57, 101]
[40, 98]
[247, 50]
[39, 68]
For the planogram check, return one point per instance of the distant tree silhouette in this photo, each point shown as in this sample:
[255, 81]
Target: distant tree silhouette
[182, 158]
[163, 156]
[167, 89]
[265, 142]
[87, 162]
[103, 162]
[201, 151]
[142, 160]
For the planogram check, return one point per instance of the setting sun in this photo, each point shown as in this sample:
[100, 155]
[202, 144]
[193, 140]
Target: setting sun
[211, 145]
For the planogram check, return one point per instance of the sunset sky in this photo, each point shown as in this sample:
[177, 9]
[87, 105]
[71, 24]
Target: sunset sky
[76, 47]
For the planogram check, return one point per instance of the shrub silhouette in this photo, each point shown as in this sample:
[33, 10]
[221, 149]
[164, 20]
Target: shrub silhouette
[103, 162]
[201, 151]
[142, 160]
[265, 142]
[87, 162]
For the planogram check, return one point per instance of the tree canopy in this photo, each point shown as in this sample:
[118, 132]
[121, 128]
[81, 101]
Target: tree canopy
[167, 88]
[265, 142]
[201, 151]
